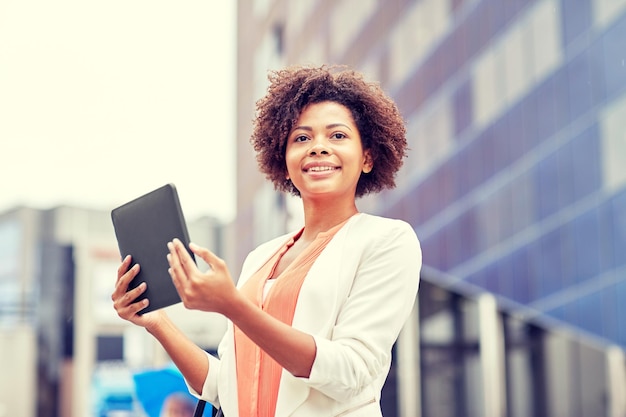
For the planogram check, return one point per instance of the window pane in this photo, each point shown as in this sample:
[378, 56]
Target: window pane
[587, 238]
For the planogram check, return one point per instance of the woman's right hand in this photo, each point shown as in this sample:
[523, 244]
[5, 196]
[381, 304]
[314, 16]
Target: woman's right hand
[124, 300]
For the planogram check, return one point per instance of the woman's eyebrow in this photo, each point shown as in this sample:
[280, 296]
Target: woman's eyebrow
[330, 126]
[334, 125]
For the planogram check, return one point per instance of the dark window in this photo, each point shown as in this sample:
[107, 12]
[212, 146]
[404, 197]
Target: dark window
[110, 348]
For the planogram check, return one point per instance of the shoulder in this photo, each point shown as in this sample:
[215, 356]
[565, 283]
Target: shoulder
[382, 227]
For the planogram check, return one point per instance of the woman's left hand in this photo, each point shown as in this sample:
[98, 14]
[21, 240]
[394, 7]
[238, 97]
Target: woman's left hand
[213, 290]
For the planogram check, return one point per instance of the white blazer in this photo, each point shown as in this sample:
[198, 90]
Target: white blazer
[354, 301]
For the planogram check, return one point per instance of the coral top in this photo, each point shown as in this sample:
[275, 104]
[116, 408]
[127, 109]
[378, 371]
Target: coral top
[258, 375]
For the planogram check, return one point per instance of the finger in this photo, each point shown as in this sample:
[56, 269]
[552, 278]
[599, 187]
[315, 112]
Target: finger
[187, 264]
[127, 312]
[174, 261]
[128, 297]
[121, 286]
[123, 268]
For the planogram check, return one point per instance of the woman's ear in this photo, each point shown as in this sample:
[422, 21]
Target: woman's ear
[368, 163]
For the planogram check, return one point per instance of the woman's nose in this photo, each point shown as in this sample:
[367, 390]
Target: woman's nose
[318, 148]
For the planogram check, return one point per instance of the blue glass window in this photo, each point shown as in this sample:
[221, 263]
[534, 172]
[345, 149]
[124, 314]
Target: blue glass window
[529, 121]
[618, 214]
[428, 199]
[492, 278]
[501, 140]
[447, 183]
[614, 56]
[595, 54]
[565, 174]
[621, 312]
[487, 153]
[462, 105]
[535, 270]
[605, 221]
[469, 234]
[580, 81]
[589, 312]
[520, 280]
[524, 204]
[507, 228]
[547, 186]
[505, 277]
[576, 19]
[430, 251]
[453, 242]
[551, 263]
[587, 238]
[552, 106]
[586, 162]
[516, 132]
[611, 321]
[568, 252]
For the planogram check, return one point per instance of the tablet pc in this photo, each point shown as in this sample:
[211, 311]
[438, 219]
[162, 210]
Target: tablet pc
[143, 227]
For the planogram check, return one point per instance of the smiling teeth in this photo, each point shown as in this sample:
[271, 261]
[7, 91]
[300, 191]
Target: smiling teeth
[320, 169]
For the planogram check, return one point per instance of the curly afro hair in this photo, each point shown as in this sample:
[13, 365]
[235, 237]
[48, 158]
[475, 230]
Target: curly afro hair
[377, 117]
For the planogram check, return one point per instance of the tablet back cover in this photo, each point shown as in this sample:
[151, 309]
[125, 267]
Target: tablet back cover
[143, 227]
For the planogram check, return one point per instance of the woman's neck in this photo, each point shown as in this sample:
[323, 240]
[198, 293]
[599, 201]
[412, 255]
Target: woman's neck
[324, 215]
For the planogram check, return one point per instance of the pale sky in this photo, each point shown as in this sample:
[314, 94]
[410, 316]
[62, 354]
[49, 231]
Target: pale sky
[102, 101]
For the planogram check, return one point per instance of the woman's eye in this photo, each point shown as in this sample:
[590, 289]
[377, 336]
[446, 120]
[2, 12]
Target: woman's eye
[300, 138]
[338, 136]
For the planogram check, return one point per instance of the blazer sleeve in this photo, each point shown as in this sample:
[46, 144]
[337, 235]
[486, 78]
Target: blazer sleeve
[381, 297]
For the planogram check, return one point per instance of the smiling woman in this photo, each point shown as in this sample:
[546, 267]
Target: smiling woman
[315, 313]
[88, 86]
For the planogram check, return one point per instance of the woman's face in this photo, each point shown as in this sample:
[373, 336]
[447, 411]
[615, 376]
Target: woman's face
[324, 154]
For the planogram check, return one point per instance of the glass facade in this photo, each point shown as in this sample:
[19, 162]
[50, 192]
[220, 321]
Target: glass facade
[529, 202]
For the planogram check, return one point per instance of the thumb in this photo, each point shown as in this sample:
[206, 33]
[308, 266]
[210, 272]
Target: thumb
[206, 255]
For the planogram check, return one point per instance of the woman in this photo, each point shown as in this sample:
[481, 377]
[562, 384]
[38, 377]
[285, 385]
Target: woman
[315, 313]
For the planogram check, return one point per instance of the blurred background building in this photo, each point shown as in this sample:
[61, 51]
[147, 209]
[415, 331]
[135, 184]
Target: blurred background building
[63, 350]
[515, 184]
